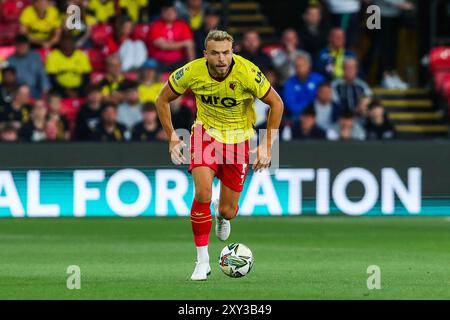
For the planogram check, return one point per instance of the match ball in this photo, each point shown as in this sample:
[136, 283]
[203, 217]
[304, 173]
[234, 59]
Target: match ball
[236, 260]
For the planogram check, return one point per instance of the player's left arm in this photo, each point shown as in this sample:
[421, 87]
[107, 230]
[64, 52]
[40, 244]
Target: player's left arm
[264, 154]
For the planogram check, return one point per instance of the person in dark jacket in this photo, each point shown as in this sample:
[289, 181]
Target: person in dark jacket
[306, 128]
[378, 126]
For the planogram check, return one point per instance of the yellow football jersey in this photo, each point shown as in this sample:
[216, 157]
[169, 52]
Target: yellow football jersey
[225, 107]
[102, 10]
[133, 7]
[149, 93]
[40, 29]
[69, 71]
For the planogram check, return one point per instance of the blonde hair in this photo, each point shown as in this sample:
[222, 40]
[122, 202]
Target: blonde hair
[218, 35]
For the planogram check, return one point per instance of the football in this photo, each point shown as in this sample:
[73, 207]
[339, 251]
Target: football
[236, 260]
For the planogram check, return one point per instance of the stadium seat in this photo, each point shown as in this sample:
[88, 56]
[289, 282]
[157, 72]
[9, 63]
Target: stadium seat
[8, 31]
[97, 76]
[6, 51]
[165, 76]
[439, 59]
[132, 75]
[97, 59]
[140, 32]
[445, 87]
[188, 100]
[70, 107]
[272, 50]
[43, 53]
[10, 10]
[100, 34]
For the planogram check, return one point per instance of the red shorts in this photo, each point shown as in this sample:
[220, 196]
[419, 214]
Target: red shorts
[228, 160]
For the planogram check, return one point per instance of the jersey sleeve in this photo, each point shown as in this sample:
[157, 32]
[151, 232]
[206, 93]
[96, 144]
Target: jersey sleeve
[25, 17]
[51, 63]
[56, 18]
[257, 83]
[179, 80]
[85, 64]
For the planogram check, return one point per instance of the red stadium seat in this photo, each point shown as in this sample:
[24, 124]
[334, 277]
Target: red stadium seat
[8, 31]
[44, 53]
[140, 32]
[445, 88]
[272, 50]
[71, 106]
[132, 75]
[97, 76]
[97, 59]
[10, 10]
[100, 34]
[6, 51]
[188, 100]
[165, 76]
[439, 59]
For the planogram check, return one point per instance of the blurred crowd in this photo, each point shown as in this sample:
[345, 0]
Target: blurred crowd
[98, 81]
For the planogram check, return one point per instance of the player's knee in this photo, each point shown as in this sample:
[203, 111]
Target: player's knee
[203, 194]
[227, 212]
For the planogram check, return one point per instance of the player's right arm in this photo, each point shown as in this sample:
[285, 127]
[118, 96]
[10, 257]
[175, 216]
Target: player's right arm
[166, 95]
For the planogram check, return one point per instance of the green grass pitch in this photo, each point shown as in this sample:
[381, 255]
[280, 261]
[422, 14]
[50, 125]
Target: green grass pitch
[295, 258]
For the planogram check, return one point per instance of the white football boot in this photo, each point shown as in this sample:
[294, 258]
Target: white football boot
[223, 226]
[201, 272]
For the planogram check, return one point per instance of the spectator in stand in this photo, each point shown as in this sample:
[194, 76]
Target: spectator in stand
[314, 30]
[192, 11]
[345, 14]
[182, 117]
[351, 91]
[150, 85]
[378, 126]
[261, 128]
[102, 10]
[29, 67]
[34, 129]
[251, 50]
[284, 60]
[113, 79]
[108, 128]
[211, 21]
[149, 129]
[41, 23]
[135, 9]
[9, 133]
[385, 44]
[132, 53]
[260, 107]
[300, 90]
[56, 118]
[347, 128]
[306, 127]
[89, 114]
[82, 34]
[129, 112]
[68, 68]
[18, 111]
[170, 40]
[9, 85]
[331, 59]
[327, 111]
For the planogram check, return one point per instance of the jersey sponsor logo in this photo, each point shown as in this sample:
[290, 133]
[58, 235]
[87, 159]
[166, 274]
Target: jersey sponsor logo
[216, 101]
[259, 77]
[179, 74]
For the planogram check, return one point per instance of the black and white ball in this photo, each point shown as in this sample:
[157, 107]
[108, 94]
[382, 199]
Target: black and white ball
[236, 260]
